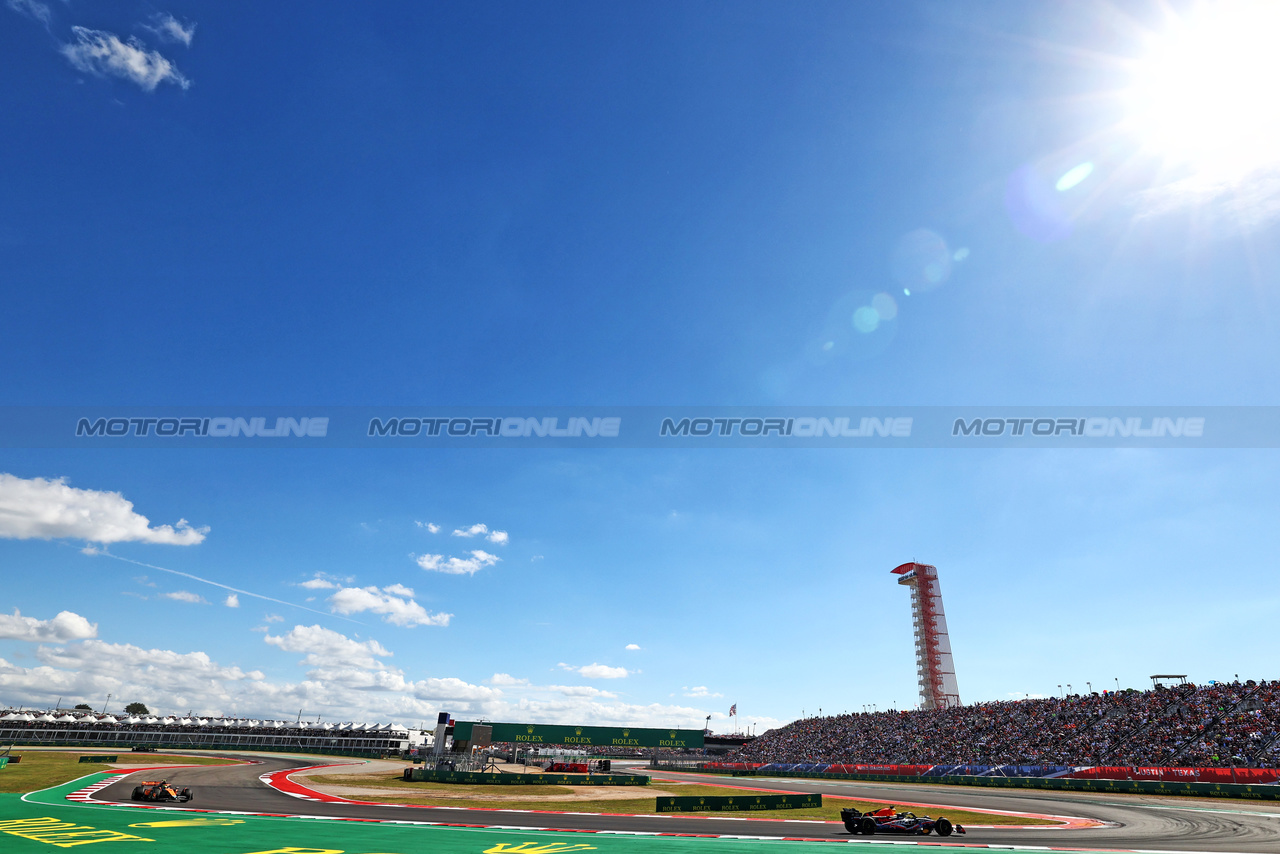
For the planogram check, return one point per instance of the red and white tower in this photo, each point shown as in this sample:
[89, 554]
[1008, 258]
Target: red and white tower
[936, 669]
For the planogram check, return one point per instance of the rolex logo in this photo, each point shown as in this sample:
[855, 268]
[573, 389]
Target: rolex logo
[577, 731]
[529, 729]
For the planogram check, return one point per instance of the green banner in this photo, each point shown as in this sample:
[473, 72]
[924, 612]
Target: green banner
[4, 761]
[96, 758]
[740, 803]
[537, 735]
[423, 775]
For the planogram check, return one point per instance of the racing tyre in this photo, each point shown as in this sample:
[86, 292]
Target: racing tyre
[867, 825]
[942, 827]
[186, 796]
[851, 826]
[137, 793]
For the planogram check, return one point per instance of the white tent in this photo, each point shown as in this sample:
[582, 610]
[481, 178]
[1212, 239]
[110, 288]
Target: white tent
[108, 719]
[201, 722]
[46, 719]
[13, 716]
[149, 719]
[185, 722]
[87, 719]
[64, 719]
[167, 722]
[226, 722]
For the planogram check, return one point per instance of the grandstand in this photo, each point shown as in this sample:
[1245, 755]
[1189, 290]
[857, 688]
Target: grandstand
[1222, 724]
[54, 727]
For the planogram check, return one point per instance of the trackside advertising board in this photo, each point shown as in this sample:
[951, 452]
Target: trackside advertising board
[739, 803]
[423, 775]
[538, 735]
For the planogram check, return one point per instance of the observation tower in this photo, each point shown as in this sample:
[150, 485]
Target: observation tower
[934, 666]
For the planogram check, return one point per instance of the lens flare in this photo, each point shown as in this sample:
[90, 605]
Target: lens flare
[1073, 177]
[1204, 93]
[866, 319]
[921, 260]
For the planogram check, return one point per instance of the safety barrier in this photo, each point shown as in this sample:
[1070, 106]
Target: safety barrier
[425, 775]
[1132, 787]
[1189, 775]
[738, 803]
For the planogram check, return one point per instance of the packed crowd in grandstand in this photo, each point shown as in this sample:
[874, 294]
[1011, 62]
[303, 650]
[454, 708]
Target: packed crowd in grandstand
[1212, 725]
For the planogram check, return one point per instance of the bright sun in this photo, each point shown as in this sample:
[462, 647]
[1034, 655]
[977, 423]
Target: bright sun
[1207, 93]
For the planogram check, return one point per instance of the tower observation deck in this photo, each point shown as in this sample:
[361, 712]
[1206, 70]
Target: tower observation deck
[934, 665]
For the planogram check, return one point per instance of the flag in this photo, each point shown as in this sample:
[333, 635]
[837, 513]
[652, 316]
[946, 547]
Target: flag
[733, 710]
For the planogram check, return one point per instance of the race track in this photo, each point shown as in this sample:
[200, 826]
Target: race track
[1130, 822]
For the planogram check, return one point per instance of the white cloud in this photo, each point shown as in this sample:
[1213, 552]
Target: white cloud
[32, 8]
[273, 618]
[346, 679]
[597, 671]
[399, 590]
[105, 55]
[185, 596]
[170, 29]
[319, 584]
[458, 565]
[580, 691]
[431, 527]
[327, 647]
[49, 509]
[633, 646]
[699, 691]
[232, 601]
[499, 537]
[395, 609]
[66, 626]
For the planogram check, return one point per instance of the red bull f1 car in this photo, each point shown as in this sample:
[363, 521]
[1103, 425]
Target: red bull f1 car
[161, 792]
[889, 820]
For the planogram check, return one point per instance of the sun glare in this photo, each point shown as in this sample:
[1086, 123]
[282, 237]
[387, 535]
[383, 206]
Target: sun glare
[1205, 93]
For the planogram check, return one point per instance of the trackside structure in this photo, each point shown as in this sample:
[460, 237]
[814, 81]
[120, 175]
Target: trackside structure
[934, 665]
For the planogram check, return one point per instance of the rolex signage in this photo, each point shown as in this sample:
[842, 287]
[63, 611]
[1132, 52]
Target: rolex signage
[539, 735]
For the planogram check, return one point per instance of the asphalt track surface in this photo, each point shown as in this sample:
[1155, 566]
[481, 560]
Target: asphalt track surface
[1131, 822]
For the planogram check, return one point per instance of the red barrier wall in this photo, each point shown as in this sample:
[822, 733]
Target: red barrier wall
[1185, 775]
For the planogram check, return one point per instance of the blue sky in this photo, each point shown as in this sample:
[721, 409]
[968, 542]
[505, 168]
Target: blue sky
[622, 205]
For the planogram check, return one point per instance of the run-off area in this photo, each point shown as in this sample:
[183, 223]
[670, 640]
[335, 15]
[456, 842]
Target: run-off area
[45, 821]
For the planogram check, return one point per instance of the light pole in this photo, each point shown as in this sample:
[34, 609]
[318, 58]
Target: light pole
[1068, 687]
[1090, 685]
[1117, 684]
[1060, 688]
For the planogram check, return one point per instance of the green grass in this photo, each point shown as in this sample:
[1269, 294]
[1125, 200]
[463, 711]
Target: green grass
[39, 769]
[642, 802]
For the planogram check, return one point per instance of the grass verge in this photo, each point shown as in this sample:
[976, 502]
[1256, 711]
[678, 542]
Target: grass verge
[39, 769]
